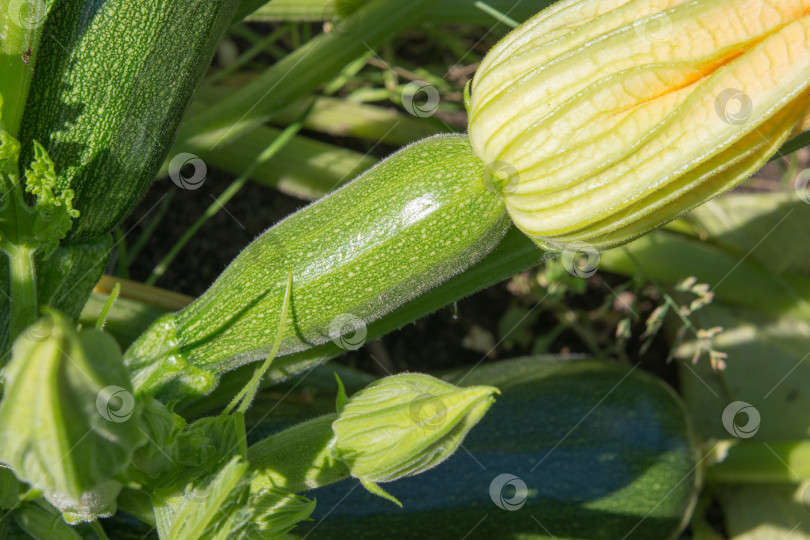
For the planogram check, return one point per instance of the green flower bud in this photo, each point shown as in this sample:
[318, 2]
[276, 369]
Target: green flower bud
[601, 119]
[68, 419]
[404, 425]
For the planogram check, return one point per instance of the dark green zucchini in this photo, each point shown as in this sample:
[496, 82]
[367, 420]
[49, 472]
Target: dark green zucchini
[111, 83]
[605, 452]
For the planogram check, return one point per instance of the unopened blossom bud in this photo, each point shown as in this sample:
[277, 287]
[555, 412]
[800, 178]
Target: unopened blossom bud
[404, 425]
[67, 396]
[601, 119]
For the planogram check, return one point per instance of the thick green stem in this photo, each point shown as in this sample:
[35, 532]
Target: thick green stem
[298, 458]
[760, 462]
[23, 289]
[20, 28]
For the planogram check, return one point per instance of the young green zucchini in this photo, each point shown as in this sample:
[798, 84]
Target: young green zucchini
[111, 83]
[406, 225]
[571, 449]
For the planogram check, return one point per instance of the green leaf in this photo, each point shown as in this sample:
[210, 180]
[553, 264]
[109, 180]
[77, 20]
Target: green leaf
[737, 223]
[206, 509]
[667, 258]
[42, 522]
[10, 489]
[340, 401]
[767, 512]
[759, 497]
[775, 349]
[68, 419]
[753, 255]
[175, 458]
[375, 488]
[221, 506]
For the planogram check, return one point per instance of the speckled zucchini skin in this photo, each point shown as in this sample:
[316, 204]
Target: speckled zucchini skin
[111, 83]
[406, 225]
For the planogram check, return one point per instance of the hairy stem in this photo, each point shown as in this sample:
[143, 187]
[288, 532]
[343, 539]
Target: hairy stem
[298, 458]
[23, 289]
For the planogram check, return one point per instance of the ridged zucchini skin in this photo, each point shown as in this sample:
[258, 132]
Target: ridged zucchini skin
[111, 83]
[406, 225]
[605, 451]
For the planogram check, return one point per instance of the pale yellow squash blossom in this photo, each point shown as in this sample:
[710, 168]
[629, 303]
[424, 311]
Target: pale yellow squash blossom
[601, 119]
